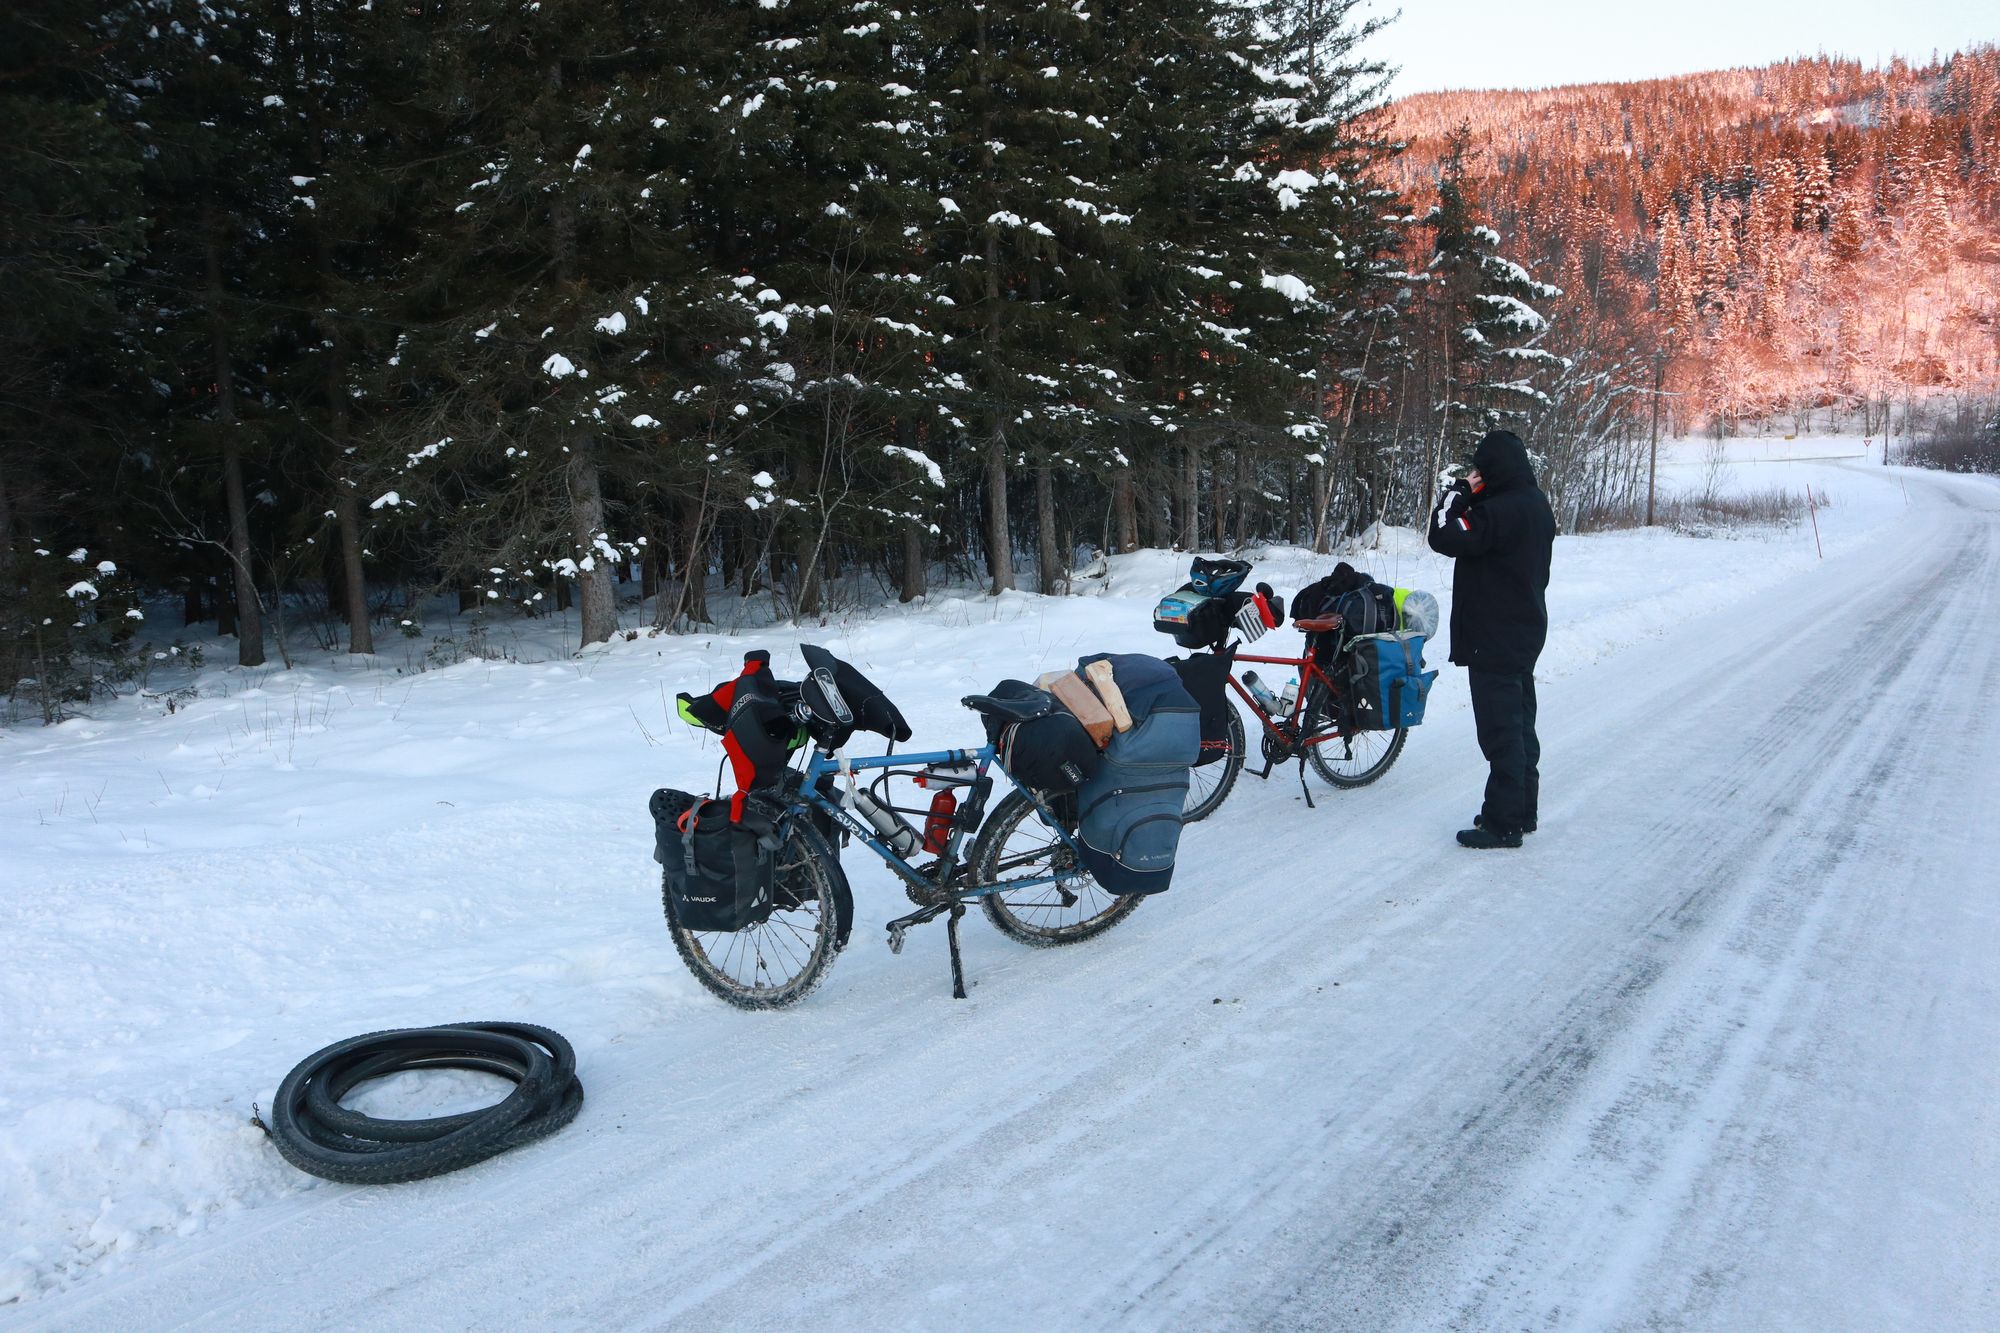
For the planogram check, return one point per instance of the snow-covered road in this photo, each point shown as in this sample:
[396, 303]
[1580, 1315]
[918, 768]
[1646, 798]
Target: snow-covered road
[1718, 1048]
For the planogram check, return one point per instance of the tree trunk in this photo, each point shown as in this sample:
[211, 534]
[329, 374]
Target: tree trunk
[1220, 519]
[694, 566]
[999, 542]
[191, 612]
[10, 654]
[1190, 525]
[1051, 569]
[1124, 512]
[347, 511]
[250, 626]
[6, 527]
[650, 570]
[916, 573]
[225, 611]
[805, 576]
[596, 602]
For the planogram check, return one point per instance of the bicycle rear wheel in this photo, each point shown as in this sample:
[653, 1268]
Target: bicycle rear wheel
[778, 961]
[1210, 784]
[1016, 843]
[1353, 760]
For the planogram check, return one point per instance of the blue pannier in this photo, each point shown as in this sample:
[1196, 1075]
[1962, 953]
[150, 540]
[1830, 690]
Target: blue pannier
[1387, 683]
[1129, 811]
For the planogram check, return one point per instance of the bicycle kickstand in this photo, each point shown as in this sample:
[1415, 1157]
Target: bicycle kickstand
[1302, 783]
[957, 963]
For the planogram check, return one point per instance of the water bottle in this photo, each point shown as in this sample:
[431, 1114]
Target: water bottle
[937, 827]
[1261, 693]
[898, 836]
[1289, 697]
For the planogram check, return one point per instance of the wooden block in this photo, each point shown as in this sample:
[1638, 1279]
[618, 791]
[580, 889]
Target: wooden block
[1102, 680]
[1082, 702]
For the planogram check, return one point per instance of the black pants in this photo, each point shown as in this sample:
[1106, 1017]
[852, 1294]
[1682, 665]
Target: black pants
[1503, 713]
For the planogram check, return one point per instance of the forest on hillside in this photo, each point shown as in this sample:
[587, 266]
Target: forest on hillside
[311, 310]
[1808, 236]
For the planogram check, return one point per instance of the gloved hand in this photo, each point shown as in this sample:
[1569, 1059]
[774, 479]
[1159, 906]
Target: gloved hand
[1456, 497]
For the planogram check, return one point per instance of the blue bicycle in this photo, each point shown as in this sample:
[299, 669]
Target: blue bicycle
[1021, 864]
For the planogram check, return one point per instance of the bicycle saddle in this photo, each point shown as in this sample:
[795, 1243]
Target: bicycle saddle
[1318, 624]
[1010, 710]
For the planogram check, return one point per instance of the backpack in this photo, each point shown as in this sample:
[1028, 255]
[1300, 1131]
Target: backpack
[1387, 685]
[1202, 612]
[1368, 609]
[1316, 599]
[1205, 676]
[1049, 753]
[1129, 813]
[720, 862]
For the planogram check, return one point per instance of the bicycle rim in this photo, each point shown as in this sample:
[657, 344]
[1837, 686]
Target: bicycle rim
[1017, 844]
[778, 961]
[1354, 760]
[1210, 784]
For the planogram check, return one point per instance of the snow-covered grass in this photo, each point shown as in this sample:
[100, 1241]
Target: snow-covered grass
[192, 901]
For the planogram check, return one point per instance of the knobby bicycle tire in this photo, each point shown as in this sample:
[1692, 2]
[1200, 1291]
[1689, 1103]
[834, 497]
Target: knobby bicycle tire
[1026, 919]
[1231, 766]
[317, 1135]
[808, 867]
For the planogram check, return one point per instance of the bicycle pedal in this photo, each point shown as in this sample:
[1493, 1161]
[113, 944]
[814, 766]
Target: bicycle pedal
[896, 930]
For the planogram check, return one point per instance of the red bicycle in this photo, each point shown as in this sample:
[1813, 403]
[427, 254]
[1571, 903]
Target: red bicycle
[1316, 730]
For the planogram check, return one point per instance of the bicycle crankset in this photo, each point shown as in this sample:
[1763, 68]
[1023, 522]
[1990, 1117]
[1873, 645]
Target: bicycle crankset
[1282, 747]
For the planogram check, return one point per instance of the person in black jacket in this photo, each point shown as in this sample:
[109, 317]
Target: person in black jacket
[1497, 525]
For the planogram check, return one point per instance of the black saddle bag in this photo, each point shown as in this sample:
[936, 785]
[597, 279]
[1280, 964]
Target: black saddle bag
[1050, 752]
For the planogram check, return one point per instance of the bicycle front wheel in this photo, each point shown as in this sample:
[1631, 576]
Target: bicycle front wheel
[1210, 784]
[778, 961]
[1352, 760]
[1016, 844]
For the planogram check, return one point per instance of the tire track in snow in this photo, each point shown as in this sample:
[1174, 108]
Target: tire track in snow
[1708, 1043]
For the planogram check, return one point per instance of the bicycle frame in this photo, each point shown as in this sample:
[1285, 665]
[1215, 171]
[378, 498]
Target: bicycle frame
[966, 820]
[1309, 670]
[1309, 673]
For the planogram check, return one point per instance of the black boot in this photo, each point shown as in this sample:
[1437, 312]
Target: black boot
[1479, 821]
[1481, 838]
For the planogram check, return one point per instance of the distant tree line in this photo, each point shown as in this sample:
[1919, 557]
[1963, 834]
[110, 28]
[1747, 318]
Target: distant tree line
[1809, 236]
[311, 306]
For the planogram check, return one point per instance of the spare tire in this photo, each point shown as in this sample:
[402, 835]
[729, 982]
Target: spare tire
[316, 1134]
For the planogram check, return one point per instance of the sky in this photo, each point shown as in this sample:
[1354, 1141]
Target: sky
[1443, 44]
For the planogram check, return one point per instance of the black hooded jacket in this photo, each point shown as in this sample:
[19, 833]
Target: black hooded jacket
[1502, 540]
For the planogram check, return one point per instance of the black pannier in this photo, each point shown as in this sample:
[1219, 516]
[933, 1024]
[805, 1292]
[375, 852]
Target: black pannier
[1049, 752]
[720, 873]
[1205, 676]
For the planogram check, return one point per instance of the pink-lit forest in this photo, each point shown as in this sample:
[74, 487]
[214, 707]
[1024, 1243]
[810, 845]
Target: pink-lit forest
[1786, 240]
